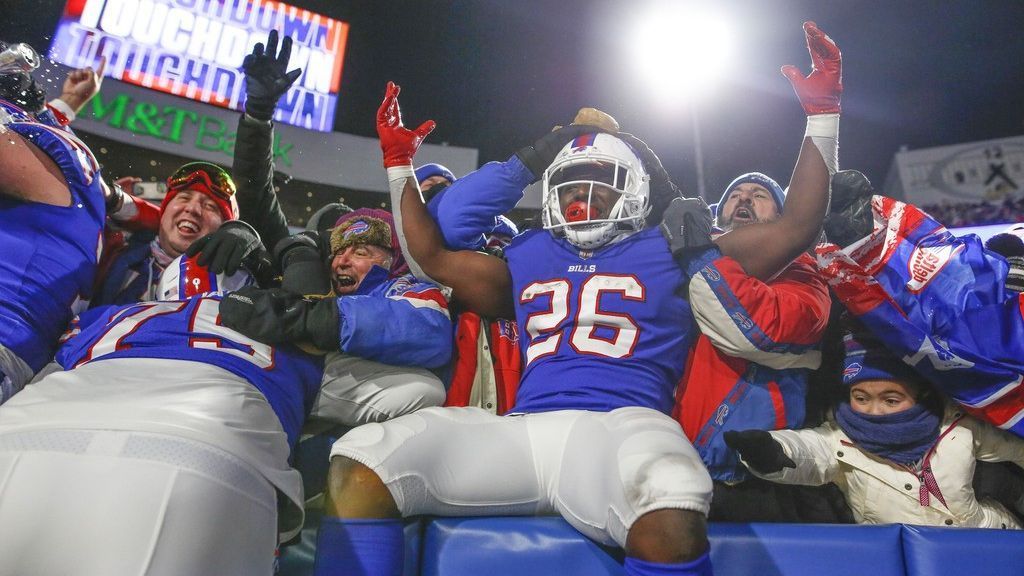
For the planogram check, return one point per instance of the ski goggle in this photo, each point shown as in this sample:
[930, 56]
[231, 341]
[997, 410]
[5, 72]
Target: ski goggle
[213, 178]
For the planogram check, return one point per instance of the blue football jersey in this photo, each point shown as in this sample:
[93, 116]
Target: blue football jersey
[602, 329]
[191, 330]
[49, 252]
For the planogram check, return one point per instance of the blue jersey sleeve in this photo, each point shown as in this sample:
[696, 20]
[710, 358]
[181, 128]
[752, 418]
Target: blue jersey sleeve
[466, 210]
[405, 323]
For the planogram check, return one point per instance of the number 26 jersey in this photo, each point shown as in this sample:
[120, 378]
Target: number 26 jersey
[602, 329]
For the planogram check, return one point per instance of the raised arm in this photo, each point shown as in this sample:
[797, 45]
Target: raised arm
[267, 79]
[479, 282]
[764, 249]
[28, 174]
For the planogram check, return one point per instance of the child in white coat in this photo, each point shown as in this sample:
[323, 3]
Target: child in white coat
[896, 452]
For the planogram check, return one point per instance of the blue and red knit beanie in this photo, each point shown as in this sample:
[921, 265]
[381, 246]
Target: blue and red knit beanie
[428, 170]
[867, 359]
[778, 194]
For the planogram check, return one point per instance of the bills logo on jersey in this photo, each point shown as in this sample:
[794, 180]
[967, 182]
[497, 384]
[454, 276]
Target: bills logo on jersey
[851, 371]
[925, 262]
[356, 228]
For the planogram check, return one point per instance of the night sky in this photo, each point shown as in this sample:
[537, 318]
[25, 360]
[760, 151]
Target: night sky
[495, 75]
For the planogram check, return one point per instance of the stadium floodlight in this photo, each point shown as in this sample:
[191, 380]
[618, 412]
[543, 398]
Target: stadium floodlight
[679, 50]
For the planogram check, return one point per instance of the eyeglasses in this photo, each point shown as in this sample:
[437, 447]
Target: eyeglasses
[216, 180]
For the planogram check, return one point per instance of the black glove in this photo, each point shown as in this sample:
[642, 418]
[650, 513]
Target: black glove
[686, 226]
[849, 215]
[663, 190]
[302, 264]
[542, 153]
[265, 77]
[226, 249]
[759, 450]
[275, 316]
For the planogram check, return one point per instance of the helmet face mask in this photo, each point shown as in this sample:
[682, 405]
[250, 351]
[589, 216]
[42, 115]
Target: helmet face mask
[608, 174]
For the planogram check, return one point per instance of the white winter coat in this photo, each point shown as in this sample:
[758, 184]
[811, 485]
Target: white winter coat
[879, 491]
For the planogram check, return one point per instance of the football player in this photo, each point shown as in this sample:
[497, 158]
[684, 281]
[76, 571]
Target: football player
[597, 295]
[52, 210]
[162, 449]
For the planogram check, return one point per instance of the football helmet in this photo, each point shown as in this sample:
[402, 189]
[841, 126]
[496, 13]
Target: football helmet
[589, 161]
[184, 278]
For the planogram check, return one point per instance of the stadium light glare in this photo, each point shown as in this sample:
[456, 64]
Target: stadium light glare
[680, 51]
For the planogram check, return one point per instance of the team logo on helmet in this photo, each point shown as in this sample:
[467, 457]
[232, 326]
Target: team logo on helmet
[611, 186]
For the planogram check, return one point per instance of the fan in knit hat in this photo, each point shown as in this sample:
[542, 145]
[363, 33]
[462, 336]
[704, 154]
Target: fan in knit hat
[773, 188]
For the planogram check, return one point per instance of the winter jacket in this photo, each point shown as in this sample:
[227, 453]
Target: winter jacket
[750, 365]
[880, 491]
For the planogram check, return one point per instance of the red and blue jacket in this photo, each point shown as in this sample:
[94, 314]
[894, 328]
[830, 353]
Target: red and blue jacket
[750, 364]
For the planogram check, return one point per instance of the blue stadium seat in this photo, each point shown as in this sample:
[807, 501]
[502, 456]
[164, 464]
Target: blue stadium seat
[933, 551]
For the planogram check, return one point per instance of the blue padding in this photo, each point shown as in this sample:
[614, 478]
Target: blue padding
[811, 549]
[512, 546]
[298, 559]
[930, 551]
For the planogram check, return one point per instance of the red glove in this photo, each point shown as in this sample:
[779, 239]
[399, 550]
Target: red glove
[819, 92]
[398, 143]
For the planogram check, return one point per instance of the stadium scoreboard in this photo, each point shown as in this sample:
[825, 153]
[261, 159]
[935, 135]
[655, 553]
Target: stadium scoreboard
[195, 48]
